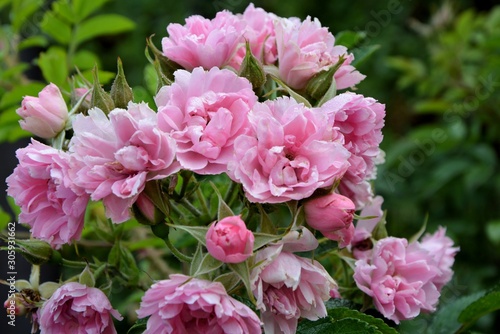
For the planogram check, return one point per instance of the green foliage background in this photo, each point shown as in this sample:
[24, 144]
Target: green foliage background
[437, 70]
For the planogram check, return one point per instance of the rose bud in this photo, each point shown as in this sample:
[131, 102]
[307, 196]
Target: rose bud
[46, 115]
[332, 215]
[229, 240]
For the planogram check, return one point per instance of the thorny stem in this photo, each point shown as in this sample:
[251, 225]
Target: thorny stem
[176, 252]
[191, 208]
[203, 201]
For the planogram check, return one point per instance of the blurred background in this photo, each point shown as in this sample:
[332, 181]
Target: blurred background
[437, 69]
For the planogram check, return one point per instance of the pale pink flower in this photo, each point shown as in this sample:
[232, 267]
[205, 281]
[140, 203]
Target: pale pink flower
[290, 153]
[440, 248]
[205, 112]
[183, 304]
[332, 215]
[399, 278]
[259, 32]
[114, 157]
[229, 240]
[305, 48]
[203, 42]
[50, 203]
[76, 308]
[46, 115]
[361, 244]
[360, 120]
[288, 287]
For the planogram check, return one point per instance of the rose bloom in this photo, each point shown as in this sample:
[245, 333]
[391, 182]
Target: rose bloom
[332, 215]
[50, 203]
[360, 119]
[291, 153]
[203, 42]
[205, 112]
[114, 157]
[229, 240]
[288, 287]
[399, 278]
[259, 32]
[440, 248]
[183, 304]
[76, 308]
[46, 115]
[305, 48]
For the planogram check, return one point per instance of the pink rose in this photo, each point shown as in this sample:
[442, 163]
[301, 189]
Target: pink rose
[50, 203]
[291, 152]
[203, 42]
[259, 32]
[76, 308]
[332, 215]
[360, 120]
[305, 48]
[183, 304]
[288, 287]
[399, 278]
[205, 112]
[46, 115]
[114, 157]
[440, 249]
[229, 240]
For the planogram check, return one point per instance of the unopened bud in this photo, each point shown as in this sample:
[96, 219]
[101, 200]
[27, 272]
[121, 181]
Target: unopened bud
[162, 64]
[15, 305]
[322, 81]
[121, 93]
[36, 252]
[100, 98]
[251, 68]
[86, 277]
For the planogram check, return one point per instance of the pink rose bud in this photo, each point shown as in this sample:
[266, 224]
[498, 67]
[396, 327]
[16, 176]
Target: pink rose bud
[332, 215]
[229, 240]
[46, 115]
[15, 305]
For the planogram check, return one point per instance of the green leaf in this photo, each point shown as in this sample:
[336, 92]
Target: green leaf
[63, 9]
[362, 53]
[108, 24]
[140, 325]
[199, 232]
[56, 28]
[53, 65]
[21, 12]
[330, 326]
[196, 262]
[342, 313]
[266, 224]
[32, 41]
[445, 319]
[15, 96]
[207, 265]
[83, 8]
[262, 239]
[493, 231]
[86, 60]
[242, 270]
[349, 38]
[229, 280]
[5, 218]
[223, 209]
[488, 303]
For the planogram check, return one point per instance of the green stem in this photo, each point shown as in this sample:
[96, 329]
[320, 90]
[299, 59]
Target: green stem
[191, 208]
[203, 201]
[230, 191]
[176, 252]
[77, 264]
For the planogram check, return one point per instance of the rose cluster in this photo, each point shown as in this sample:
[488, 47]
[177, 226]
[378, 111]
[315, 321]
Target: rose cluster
[275, 138]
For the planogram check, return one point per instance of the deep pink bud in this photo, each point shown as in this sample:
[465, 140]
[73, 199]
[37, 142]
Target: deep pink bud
[332, 215]
[229, 240]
